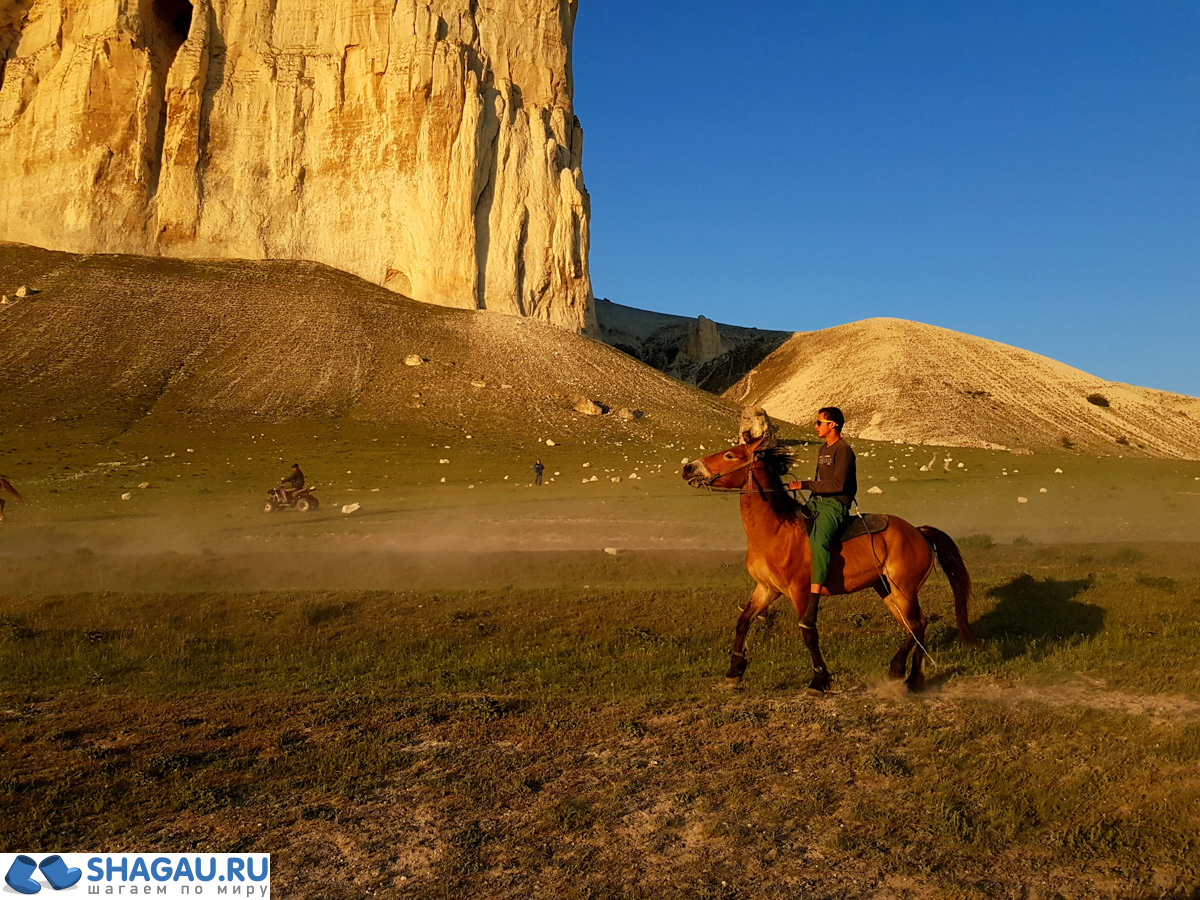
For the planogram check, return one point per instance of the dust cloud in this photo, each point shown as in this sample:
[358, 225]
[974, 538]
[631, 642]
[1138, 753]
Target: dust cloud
[456, 550]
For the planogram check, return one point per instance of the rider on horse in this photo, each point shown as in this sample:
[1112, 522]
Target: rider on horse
[833, 491]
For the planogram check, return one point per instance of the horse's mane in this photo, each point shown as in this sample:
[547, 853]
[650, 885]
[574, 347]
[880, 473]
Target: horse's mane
[776, 462]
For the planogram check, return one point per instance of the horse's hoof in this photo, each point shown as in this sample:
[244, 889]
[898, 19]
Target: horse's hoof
[814, 691]
[731, 683]
[915, 685]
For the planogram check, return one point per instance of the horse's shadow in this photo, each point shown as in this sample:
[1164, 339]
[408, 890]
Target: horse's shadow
[1033, 615]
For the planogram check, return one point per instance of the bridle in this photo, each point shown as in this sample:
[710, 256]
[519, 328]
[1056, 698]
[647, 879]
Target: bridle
[712, 485]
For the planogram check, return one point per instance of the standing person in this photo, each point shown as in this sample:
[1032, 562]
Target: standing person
[538, 469]
[6, 487]
[291, 483]
[833, 491]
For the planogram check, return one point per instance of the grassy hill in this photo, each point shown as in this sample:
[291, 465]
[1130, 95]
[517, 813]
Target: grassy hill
[905, 381]
[115, 341]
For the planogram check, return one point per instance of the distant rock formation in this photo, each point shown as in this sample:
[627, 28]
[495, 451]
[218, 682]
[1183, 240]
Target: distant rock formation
[430, 147]
[699, 351]
[703, 340]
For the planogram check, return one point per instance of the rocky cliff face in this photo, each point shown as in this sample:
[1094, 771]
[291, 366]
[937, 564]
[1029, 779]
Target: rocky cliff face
[426, 145]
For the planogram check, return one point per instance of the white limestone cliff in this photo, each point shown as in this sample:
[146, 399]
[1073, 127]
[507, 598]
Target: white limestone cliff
[427, 145]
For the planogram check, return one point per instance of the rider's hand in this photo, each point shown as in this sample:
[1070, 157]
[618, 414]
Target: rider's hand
[793, 485]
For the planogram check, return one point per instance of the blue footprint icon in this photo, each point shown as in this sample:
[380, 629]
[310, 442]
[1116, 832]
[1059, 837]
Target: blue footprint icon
[18, 876]
[58, 873]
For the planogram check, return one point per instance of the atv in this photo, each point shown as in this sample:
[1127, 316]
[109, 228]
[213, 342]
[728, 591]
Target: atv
[301, 500]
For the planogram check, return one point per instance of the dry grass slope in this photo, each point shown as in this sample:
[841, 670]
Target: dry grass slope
[900, 380]
[116, 340]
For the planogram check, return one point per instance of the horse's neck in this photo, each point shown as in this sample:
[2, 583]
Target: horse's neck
[759, 516]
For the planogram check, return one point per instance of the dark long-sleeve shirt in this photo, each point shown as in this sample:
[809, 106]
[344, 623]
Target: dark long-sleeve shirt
[295, 479]
[837, 474]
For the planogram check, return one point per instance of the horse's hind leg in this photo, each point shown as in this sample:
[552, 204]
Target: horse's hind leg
[907, 611]
[762, 597]
[899, 663]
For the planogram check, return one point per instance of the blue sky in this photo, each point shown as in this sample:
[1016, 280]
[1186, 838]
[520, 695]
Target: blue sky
[1025, 172]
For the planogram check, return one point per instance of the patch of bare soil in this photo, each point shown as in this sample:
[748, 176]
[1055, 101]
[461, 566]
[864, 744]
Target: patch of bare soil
[1082, 691]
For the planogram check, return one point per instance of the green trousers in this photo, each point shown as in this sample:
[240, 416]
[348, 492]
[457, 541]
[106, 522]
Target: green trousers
[831, 515]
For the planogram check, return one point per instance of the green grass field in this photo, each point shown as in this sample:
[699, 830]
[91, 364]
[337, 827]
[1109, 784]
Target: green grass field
[456, 692]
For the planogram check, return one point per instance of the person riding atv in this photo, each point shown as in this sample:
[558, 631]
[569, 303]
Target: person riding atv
[291, 483]
[291, 493]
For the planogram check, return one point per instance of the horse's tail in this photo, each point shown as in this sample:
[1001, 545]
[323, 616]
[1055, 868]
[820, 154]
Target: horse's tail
[951, 561]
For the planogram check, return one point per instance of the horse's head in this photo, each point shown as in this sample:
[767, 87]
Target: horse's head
[724, 469]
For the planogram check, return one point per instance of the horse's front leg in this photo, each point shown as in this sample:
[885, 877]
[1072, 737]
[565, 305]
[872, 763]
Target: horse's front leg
[762, 597]
[807, 611]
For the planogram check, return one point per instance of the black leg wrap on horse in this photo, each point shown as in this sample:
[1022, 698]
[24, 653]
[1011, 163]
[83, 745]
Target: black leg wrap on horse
[810, 612]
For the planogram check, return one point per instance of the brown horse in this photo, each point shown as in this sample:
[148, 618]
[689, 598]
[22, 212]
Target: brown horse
[895, 562]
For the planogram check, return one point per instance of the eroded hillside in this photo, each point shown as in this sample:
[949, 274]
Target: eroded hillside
[113, 339]
[905, 381]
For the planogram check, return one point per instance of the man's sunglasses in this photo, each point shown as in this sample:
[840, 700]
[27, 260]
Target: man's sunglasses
[821, 422]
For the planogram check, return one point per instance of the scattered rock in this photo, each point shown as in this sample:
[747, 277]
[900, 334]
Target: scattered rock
[478, 384]
[413, 360]
[550, 443]
[616, 479]
[626, 413]
[684, 461]
[1043, 490]
[127, 496]
[753, 424]
[443, 462]
[1022, 499]
[587, 465]
[25, 291]
[349, 508]
[893, 478]
[611, 551]
[1060, 471]
[874, 489]
[593, 478]
[587, 406]
[144, 485]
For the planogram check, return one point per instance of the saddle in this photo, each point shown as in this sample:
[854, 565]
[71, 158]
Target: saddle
[855, 526]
